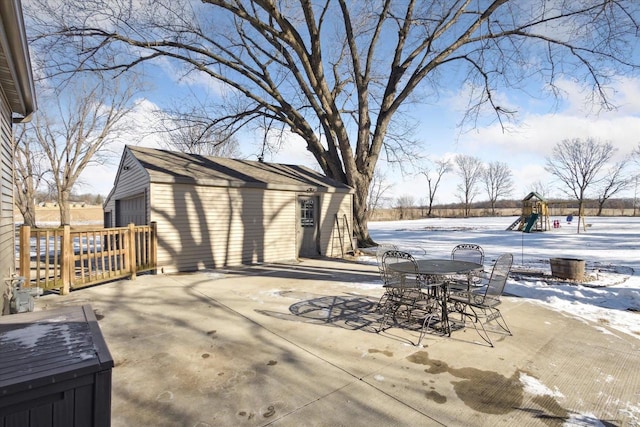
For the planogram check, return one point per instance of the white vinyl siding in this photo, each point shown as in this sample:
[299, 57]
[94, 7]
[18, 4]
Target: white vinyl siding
[332, 204]
[211, 227]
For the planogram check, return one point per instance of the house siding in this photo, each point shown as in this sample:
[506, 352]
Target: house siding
[7, 231]
[132, 181]
[332, 204]
[211, 227]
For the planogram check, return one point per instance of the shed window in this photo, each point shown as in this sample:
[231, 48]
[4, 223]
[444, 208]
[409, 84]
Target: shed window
[307, 213]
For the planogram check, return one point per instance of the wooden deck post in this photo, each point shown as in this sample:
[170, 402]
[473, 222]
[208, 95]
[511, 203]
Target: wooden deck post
[153, 244]
[67, 260]
[131, 250]
[25, 254]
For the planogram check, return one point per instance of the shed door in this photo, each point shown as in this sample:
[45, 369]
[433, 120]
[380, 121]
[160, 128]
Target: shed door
[131, 210]
[307, 226]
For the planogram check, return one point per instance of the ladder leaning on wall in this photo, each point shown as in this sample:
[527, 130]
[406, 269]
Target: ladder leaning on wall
[343, 231]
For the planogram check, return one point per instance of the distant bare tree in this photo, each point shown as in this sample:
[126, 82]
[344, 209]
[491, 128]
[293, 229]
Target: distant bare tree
[379, 186]
[470, 170]
[542, 189]
[498, 181]
[614, 181]
[74, 129]
[434, 176]
[404, 204]
[29, 174]
[577, 164]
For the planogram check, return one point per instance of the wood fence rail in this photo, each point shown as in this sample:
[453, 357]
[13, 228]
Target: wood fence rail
[65, 259]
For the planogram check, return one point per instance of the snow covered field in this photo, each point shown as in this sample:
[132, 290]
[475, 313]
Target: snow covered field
[610, 247]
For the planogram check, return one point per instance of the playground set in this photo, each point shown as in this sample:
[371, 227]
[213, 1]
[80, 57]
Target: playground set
[535, 215]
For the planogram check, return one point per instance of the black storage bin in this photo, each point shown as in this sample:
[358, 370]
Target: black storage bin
[55, 369]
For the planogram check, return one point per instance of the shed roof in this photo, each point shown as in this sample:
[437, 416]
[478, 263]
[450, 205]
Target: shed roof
[165, 166]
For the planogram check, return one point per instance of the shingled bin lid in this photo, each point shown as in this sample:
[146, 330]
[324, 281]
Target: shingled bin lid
[47, 357]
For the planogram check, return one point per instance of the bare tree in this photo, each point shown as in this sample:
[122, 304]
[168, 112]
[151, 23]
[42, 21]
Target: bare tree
[29, 174]
[346, 68]
[189, 129]
[635, 155]
[75, 128]
[614, 181]
[441, 167]
[470, 170]
[404, 204]
[498, 181]
[542, 189]
[379, 187]
[577, 164]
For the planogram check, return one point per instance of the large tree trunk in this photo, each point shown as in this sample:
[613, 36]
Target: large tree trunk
[360, 214]
[65, 209]
[26, 205]
[29, 216]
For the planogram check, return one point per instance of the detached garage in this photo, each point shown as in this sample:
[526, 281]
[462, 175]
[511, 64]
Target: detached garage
[213, 212]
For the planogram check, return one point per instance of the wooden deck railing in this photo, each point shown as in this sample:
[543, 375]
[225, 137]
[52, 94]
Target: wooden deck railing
[65, 259]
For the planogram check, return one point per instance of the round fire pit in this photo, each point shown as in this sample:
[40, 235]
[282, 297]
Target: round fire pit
[567, 268]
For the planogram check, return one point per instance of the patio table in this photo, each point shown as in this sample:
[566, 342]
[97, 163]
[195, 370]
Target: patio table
[438, 269]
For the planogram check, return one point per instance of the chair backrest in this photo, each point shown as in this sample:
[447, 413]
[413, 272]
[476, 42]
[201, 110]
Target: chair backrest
[468, 252]
[391, 257]
[379, 252]
[498, 278]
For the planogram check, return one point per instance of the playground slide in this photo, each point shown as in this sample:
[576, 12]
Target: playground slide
[530, 222]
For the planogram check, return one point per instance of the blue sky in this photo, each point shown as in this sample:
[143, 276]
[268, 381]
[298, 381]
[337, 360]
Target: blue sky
[540, 123]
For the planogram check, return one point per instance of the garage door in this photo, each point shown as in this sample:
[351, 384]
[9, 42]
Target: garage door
[131, 210]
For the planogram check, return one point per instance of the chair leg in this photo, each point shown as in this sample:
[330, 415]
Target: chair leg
[388, 310]
[381, 302]
[392, 303]
[431, 310]
[425, 325]
[486, 315]
[500, 320]
[475, 322]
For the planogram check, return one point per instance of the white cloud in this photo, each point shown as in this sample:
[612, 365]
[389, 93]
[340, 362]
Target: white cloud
[184, 76]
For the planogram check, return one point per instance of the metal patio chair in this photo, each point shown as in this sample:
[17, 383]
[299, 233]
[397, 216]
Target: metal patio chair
[481, 305]
[402, 290]
[467, 252]
[379, 252]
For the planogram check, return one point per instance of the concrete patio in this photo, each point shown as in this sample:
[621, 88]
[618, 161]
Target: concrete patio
[295, 344]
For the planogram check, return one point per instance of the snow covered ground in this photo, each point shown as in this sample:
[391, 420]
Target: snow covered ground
[610, 247]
